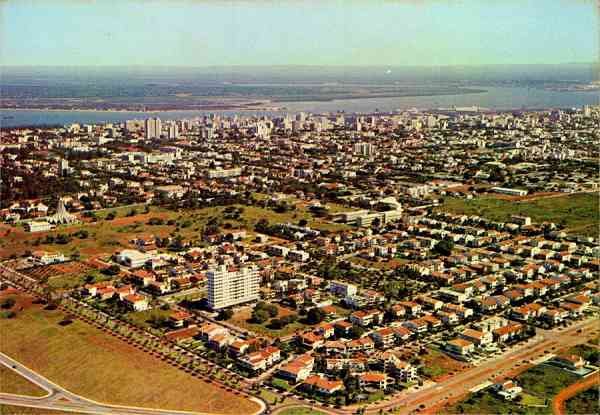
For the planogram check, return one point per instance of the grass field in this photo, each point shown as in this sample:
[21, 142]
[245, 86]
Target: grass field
[12, 382]
[87, 361]
[585, 402]
[540, 384]
[76, 280]
[23, 410]
[485, 402]
[106, 237]
[437, 364]
[241, 319]
[577, 212]
[301, 411]
[272, 398]
[144, 318]
[545, 381]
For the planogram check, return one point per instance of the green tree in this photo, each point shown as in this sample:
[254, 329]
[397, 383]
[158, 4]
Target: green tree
[260, 316]
[443, 248]
[7, 303]
[314, 316]
[272, 310]
[356, 332]
[225, 314]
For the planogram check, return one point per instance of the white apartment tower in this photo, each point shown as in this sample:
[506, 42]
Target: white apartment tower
[173, 131]
[63, 167]
[153, 128]
[231, 286]
[364, 149]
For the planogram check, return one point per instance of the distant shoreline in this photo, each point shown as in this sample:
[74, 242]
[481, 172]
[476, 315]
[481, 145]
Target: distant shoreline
[117, 111]
[257, 105]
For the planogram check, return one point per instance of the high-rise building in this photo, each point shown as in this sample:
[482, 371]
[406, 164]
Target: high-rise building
[173, 131]
[63, 167]
[229, 286]
[364, 149]
[153, 128]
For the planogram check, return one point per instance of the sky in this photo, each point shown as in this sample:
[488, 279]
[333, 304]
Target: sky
[295, 32]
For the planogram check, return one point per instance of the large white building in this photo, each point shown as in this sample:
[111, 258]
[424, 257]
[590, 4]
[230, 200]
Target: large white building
[173, 131]
[229, 286]
[224, 173]
[133, 258]
[153, 128]
[364, 149]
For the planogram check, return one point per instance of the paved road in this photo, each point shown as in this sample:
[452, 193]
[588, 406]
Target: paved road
[458, 386]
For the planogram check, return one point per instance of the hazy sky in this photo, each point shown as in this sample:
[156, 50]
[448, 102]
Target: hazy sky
[263, 32]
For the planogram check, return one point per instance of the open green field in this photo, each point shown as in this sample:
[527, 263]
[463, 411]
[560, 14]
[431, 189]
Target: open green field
[69, 281]
[90, 362]
[12, 382]
[540, 384]
[545, 380]
[145, 318]
[486, 403]
[242, 319]
[577, 212]
[585, 402]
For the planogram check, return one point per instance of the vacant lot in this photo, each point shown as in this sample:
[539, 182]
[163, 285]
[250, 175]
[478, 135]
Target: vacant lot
[486, 402]
[108, 236]
[545, 381]
[148, 318]
[242, 319]
[540, 385]
[437, 365]
[12, 382]
[577, 212]
[90, 362]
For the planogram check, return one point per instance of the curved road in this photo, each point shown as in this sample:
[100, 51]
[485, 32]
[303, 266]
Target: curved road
[558, 403]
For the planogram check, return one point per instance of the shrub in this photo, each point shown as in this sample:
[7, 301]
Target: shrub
[225, 314]
[8, 314]
[7, 303]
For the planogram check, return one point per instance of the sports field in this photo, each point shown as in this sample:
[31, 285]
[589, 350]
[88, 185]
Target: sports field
[89, 362]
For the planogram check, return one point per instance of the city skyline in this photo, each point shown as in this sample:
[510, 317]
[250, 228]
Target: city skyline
[239, 33]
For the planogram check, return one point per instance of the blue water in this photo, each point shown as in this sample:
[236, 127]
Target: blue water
[495, 98]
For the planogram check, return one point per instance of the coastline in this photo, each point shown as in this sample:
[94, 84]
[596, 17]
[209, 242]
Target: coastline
[117, 111]
[251, 106]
